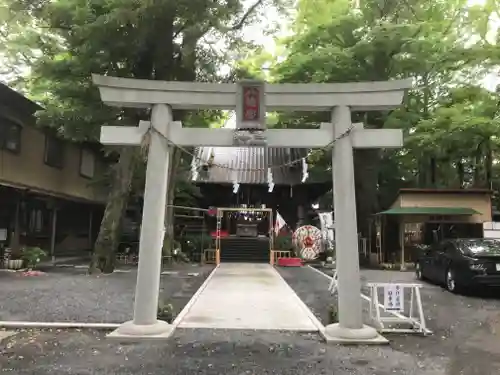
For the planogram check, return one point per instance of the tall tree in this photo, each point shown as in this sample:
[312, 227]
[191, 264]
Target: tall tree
[462, 133]
[433, 42]
[160, 39]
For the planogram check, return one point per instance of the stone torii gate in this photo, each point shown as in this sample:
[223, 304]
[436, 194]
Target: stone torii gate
[338, 99]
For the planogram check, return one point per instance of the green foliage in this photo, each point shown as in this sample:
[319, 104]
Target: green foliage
[283, 242]
[195, 243]
[170, 244]
[330, 253]
[333, 315]
[465, 125]
[447, 48]
[120, 38]
[166, 312]
[32, 256]
[61, 43]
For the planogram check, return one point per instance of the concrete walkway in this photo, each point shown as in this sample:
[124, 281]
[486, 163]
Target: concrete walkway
[247, 296]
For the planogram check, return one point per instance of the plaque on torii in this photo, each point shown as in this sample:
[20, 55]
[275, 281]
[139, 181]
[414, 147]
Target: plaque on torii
[250, 113]
[250, 105]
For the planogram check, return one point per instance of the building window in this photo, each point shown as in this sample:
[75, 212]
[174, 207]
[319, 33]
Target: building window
[10, 134]
[54, 152]
[87, 163]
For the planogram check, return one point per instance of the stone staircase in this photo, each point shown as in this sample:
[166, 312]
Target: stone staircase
[245, 249]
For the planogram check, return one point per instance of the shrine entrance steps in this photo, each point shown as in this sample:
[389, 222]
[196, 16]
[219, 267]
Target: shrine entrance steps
[244, 249]
[247, 296]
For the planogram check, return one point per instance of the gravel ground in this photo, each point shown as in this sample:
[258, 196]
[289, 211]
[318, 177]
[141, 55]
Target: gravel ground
[311, 287]
[466, 341]
[69, 294]
[466, 327]
[204, 352]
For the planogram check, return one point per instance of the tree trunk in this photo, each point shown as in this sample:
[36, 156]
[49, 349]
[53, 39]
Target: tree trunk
[433, 171]
[427, 170]
[187, 73]
[423, 172]
[103, 258]
[460, 173]
[489, 163]
[366, 172]
[478, 181]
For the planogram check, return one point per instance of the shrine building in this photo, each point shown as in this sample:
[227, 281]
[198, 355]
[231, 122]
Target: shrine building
[238, 179]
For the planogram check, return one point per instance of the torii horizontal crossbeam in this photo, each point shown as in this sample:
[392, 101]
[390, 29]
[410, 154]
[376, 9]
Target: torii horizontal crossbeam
[359, 96]
[289, 138]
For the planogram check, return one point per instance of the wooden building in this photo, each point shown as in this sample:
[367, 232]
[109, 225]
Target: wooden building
[239, 178]
[48, 194]
[424, 216]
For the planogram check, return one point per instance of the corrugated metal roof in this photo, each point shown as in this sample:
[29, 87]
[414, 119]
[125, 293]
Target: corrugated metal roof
[251, 165]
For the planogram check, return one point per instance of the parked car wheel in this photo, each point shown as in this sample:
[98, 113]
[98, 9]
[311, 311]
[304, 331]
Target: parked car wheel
[451, 284]
[418, 271]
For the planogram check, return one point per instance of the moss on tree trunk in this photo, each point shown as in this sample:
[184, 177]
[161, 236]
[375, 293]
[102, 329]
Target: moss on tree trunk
[103, 257]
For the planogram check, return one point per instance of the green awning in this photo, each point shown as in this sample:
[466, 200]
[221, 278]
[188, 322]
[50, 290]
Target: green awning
[429, 211]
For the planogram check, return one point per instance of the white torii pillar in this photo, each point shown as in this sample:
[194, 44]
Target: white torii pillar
[350, 326]
[338, 98]
[145, 322]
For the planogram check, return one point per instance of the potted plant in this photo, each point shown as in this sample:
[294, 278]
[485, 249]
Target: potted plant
[15, 261]
[32, 256]
[165, 312]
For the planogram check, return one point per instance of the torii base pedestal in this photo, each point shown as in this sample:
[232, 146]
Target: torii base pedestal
[131, 332]
[335, 334]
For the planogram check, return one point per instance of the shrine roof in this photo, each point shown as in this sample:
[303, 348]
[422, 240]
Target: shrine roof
[249, 165]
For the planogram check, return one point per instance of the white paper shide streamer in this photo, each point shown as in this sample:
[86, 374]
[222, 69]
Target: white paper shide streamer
[305, 173]
[270, 181]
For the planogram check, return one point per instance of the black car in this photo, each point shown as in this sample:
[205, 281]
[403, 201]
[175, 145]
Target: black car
[461, 263]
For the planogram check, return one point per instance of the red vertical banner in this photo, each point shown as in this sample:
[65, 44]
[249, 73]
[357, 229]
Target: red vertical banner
[251, 104]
